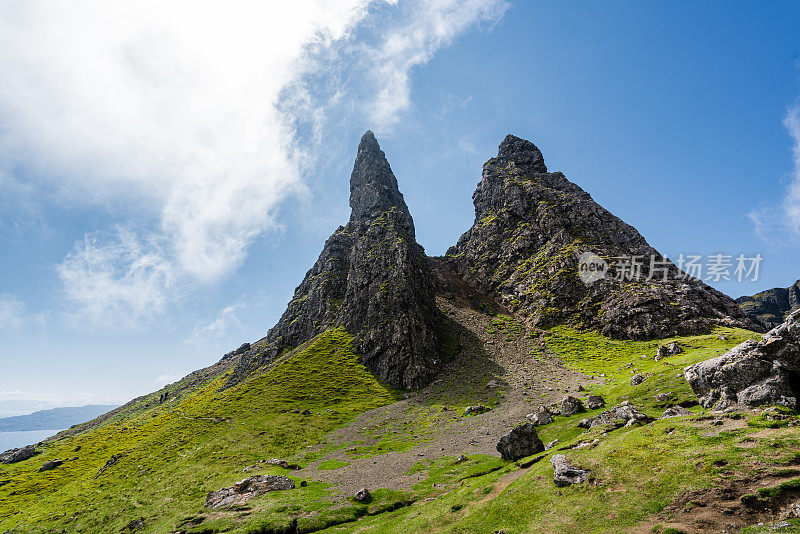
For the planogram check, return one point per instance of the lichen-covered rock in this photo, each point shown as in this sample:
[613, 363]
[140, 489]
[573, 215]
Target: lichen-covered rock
[373, 279]
[675, 411]
[571, 405]
[17, 455]
[668, 350]
[624, 414]
[593, 402]
[541, 417]
[754, 373]
[566, 474]
[247, 489]
[522, 441]
[531, 226]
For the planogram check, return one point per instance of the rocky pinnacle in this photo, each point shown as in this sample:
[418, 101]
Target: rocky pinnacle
[373, 186]
[372, 279]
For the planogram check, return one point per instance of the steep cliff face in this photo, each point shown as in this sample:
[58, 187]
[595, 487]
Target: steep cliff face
[531, 226]
[772, 306]
[373, 279]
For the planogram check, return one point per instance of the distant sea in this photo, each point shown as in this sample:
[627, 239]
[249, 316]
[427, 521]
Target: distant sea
[13, 440]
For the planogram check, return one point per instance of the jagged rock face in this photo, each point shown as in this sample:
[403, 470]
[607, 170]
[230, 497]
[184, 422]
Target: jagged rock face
[373, 279]
[753, 373]
[530, 228]
[771, 307]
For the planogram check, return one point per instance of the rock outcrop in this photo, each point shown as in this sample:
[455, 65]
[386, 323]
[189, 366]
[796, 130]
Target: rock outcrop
[531, 226]
[771, 307]
[373, 279]
[571, 405]
[522, 441]
[247, 489]
[754, 373]
[624, 414]
[17, 455]
[566, 474]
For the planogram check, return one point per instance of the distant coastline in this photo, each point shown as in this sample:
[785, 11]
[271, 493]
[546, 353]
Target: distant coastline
[56, 418]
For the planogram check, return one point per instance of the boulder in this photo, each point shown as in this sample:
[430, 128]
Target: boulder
[668, 350]
[637, 379]
[754, 373]
[595, 401]
[247, 489]
[675, 411]
[475, 410]
[17, 455]
[522, 441]
[571, 405]
[541, 417]
[566, 474]
[624, 414]
[50, 465]
[362, 495]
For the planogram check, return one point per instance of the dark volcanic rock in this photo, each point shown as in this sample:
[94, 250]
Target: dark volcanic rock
[566, 474]
[17, 455]
[373, 279]
[771, 307]
[522, 441]
[753, 373]
[247, 489]
[531, 226]
[362, 495]
[50, 465]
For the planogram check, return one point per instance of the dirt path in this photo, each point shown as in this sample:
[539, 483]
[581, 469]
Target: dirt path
[494, 366]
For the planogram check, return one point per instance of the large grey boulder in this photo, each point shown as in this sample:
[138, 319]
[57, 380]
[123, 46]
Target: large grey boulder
[17, 455]
[754, 373]
[522, 441]
[624, 414]
[566, 474]
[247, 489]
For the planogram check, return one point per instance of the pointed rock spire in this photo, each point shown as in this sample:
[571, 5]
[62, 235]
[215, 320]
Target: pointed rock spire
[373, 186]
[523, 153]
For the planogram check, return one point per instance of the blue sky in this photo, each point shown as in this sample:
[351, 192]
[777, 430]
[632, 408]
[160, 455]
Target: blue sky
[168, 176]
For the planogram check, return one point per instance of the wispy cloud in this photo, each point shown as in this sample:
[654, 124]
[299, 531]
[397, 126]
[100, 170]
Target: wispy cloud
[791, 205]
[191, 116]
[14, 314]
[122, 277]
[424, 28]
[205, 333]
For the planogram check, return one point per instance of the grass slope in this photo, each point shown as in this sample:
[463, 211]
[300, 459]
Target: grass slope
[172, 455]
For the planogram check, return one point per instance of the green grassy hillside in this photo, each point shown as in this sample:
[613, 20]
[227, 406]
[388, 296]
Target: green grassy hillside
[172, 454]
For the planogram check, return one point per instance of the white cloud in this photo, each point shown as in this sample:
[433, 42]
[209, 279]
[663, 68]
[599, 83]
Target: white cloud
[426, 27]
[14, 315]
[218, 329]
[121, 278]
[769, 222]
[12, 312]
[791, 204]
[186, 114]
